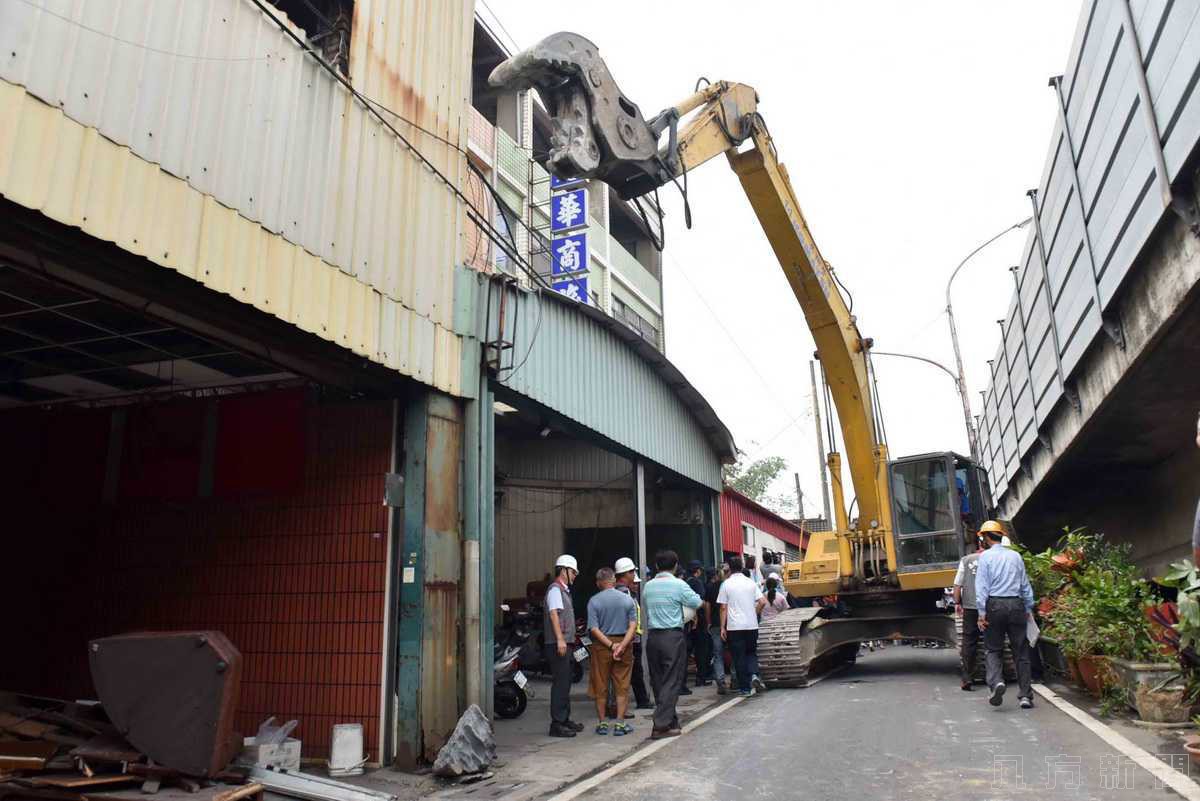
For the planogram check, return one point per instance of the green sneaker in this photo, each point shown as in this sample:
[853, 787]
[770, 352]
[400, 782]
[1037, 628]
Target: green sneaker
[602, 728]
[620, 729]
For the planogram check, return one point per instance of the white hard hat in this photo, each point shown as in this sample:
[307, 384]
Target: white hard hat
[566, 560]
[1005, 541]
[624, 565]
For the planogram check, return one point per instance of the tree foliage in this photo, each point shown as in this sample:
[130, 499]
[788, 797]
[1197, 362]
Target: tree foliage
[754, 479]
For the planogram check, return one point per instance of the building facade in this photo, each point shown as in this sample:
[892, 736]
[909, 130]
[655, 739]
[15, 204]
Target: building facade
[1089, 416]
[750, 529]
[257, 374]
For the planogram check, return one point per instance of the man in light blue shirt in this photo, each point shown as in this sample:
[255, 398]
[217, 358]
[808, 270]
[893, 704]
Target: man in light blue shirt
[664, 598]
[1005, 600]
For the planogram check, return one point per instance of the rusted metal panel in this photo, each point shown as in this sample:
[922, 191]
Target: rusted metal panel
[74, 175]
[203, 129]
[441, 674]
[172, 695]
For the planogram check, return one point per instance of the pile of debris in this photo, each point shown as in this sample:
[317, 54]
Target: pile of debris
[162, 726]
[69, 751]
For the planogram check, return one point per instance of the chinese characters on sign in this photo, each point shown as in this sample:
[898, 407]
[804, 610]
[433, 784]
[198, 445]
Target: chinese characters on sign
[568, 211]
[558, 184]
[569, 254]
[575, 288]
[569, 244]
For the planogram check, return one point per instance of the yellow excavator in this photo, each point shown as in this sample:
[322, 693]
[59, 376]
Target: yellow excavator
[916, 515]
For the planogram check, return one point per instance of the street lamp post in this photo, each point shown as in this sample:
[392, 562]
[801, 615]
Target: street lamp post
[961, 378]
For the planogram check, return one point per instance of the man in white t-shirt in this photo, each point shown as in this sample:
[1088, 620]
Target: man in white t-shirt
[741, 602]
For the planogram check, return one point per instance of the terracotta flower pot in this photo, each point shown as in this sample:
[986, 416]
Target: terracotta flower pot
[1091, 673]
[1073, 671]
[1191, 744]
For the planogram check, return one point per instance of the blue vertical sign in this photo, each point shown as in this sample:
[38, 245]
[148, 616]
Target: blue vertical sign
[574, 288]
[569, 254]
[558, 184]
[568, 211]
[569, 237]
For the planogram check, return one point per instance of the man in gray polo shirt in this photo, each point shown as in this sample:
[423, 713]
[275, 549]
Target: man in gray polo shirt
[966, 608]
[612, 621]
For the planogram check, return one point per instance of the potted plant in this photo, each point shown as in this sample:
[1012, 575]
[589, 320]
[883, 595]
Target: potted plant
[1096, 614]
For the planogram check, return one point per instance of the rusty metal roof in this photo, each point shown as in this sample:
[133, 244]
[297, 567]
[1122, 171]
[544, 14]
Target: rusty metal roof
[202, 137]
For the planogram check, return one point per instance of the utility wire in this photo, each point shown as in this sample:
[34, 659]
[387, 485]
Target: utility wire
[139, 45]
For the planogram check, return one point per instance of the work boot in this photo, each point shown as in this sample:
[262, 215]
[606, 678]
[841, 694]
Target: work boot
[561, 730]
[573, 726]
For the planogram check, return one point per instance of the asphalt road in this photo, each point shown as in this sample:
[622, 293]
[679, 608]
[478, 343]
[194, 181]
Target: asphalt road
[895, 726]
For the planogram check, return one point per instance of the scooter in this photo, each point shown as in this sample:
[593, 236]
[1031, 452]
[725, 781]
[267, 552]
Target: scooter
[525, 632]
[510, 693]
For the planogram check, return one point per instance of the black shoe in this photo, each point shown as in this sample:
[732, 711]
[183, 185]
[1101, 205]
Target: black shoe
[1026, 703]
[685, 691]
[998, 694]
[557, 730]
[966, 686]
[573, 726]
[644, 705]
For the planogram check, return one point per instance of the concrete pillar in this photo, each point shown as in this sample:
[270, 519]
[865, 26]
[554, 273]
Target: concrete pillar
[480, 545]
[430, 673]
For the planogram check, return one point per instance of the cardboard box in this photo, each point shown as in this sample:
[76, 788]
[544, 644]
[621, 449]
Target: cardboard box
[285, 755]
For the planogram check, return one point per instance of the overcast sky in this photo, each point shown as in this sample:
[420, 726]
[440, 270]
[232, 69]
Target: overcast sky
[911, 131]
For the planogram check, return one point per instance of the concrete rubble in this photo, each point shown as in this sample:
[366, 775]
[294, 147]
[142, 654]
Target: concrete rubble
[470, 749]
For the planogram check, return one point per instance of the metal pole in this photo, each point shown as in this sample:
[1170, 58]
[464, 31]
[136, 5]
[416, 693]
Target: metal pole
[639, 505]
[821, 458]
[972, 438]
[799, 498]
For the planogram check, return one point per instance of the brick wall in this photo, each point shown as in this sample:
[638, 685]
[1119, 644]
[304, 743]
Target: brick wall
[286, 555]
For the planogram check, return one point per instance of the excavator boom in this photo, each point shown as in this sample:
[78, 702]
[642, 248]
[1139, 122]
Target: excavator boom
[598, 132]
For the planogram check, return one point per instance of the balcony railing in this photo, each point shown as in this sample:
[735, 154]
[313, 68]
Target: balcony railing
[633, 271]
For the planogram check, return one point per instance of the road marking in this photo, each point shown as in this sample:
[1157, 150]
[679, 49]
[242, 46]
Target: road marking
[654, 747]
[1177, 781]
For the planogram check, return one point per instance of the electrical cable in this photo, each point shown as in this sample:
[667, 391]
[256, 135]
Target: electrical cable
[139, 45]
[570, 496]
[375, 106]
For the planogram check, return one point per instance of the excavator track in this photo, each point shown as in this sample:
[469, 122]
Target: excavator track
[783, 659]
[798, 646]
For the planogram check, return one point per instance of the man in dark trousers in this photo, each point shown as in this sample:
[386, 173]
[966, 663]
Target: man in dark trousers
[630, 583]
[700, 641]
[559, 631]
[663, 600]
[1005, 600]
[965, 608]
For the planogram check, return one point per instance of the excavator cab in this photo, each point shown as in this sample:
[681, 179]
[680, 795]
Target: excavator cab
[939, 501]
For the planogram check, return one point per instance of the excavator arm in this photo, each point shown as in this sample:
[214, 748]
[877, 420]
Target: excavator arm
[599, 133]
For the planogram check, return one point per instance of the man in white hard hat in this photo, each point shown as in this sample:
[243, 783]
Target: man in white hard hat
[559, 631]
[628, 581]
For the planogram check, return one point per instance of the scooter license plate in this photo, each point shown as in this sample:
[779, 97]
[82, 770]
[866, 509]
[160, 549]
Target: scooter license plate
[520, 679]
[581, 654]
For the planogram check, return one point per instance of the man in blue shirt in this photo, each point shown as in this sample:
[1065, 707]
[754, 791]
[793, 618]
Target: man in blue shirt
[664, 598]
[1005, 600]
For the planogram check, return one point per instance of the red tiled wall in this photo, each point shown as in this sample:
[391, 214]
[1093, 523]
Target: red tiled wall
[288, 558]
